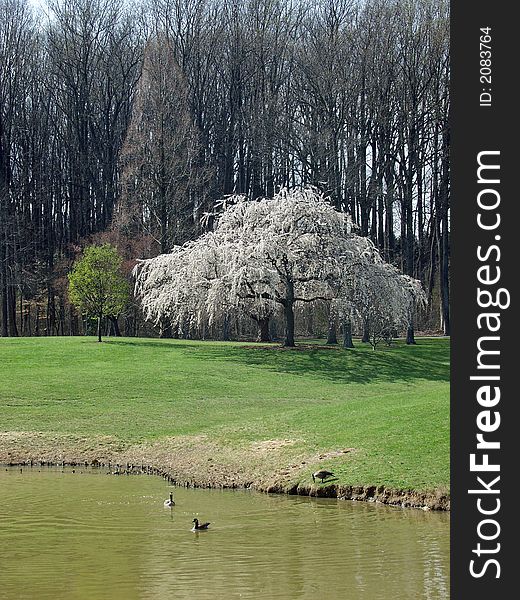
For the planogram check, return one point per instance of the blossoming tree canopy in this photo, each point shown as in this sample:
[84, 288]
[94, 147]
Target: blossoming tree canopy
[263, 257]
[381, 298]
[292, 248]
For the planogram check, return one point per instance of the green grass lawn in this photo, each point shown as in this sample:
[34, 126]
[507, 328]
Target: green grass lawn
[391, 405]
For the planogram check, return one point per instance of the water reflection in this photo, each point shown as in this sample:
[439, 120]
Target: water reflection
[91, 536]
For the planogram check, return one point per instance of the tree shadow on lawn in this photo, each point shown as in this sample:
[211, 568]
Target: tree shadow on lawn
[165, 344]
[428, 360]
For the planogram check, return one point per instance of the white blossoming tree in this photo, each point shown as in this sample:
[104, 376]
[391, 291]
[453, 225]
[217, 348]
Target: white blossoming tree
[192, 286]
[264, 257]
[382, 298]
[292, 248]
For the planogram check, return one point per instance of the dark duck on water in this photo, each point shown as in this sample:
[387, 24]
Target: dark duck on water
[199, 527]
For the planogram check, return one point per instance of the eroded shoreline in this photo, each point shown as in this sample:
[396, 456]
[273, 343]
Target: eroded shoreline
[202, 465]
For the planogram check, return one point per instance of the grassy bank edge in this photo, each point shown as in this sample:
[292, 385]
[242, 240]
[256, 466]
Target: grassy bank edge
[135, 460]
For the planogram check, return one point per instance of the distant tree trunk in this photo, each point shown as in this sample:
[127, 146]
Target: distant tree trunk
[332, 337]
[11, 297]
[99, 328]
[71, 320]
[50, 311]
[410, 338]
[166, 329]
[289, 316]
[347, 334]
[61, 322]
[444, 241]
[26, 324]
[130, 327]
[389, 216]
[273, 330]
[289, 325]
[4, 204]
[114, 327]
[22, 320]
[373, 341]
[5, 329]
[366, 332]
[226, 333]
[263, 330]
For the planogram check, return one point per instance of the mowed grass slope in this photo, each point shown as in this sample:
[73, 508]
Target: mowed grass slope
[391, 406]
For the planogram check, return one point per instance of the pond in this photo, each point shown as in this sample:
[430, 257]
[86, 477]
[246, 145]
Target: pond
[88, 536]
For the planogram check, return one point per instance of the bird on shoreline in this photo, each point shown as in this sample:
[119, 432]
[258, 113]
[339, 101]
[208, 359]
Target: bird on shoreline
[197, 527]
[321, 474]
[170, 501]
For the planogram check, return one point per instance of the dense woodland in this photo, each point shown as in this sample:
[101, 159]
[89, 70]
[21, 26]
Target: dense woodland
[128, 122]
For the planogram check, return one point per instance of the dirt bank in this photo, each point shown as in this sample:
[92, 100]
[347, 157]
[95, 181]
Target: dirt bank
[197, 461]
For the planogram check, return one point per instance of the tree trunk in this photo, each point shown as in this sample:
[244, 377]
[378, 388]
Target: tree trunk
[373, 341]
[226, 333]
[61, 322]
[347, 335]
[332, 337]
[366, 332]
[4, 205]
[410, 338]
[3, 300]
[50, 321]
[289, 325]
[22, 319]
[273, 330]
[166, 329]
[444, 241]
[11, 312]
[288, 305]
[263, 330]
[71, 321]
[115, 331]
[389, 216]
[26, 328]
[99, 328]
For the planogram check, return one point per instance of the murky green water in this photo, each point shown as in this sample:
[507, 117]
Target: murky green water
[89, 536]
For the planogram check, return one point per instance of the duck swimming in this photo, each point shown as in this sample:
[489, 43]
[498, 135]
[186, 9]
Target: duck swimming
[197, 527]
[169, 502]
[321, 474]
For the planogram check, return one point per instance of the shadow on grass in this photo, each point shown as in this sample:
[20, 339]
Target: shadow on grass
[428, 360]
[326, 481]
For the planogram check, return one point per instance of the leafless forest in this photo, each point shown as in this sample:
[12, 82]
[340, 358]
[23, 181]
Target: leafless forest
[128, 121]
